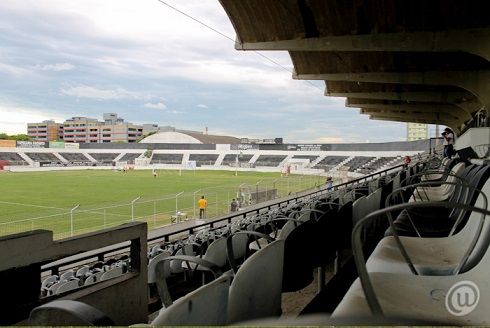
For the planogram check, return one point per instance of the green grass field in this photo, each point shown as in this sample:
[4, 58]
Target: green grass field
[42, 200]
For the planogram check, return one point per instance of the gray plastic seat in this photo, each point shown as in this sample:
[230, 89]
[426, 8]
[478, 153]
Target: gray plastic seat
[68, 285]
[152, 266]
[112, 273]
[430, 256]
[255, 291]
[205, 306]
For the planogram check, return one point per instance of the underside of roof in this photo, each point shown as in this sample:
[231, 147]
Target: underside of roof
[397, 60]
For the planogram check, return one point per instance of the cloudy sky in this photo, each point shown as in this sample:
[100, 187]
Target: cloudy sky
[150, 64]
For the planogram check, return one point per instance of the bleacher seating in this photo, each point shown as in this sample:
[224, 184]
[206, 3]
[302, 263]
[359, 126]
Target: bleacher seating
[377, 164]
[83, 276]
[456, 261]
[167, 159]
[104, 157]
[129, 157]
[231, 159]
[75, 157]
[313, 232]
[203, 159]
[13, 158]
[329, 162]
[43, 157]
[357, 162]
[269, 160]
[309, 157]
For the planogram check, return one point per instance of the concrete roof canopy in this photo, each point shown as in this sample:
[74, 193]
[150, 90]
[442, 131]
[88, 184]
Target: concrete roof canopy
[420, 61]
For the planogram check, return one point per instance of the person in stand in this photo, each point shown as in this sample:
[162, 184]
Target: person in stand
[407, 160]
[448, 143]
[329, 183]
[233, 205]
[203, 203]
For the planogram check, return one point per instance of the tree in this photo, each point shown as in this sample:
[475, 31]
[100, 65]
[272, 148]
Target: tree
[4, 136]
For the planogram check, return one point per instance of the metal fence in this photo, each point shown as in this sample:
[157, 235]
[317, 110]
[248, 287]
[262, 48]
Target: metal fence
[157, 212]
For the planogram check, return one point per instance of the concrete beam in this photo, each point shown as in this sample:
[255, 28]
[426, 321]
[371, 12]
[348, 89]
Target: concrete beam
[454, 111]
[474, 41]
[414, 120]
[429, 96]
[402, 113]
[476, 82]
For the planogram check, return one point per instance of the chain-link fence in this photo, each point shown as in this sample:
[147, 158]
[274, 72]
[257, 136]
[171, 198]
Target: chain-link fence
[157, 212]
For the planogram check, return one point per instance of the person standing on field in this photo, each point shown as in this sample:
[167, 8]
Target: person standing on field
[203, 203]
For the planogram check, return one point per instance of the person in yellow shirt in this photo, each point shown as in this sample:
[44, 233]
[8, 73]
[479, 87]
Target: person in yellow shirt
[203, 203]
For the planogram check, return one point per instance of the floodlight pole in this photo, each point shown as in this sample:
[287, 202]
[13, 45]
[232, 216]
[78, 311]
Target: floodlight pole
[177, 202]
[132, 207]
[71, 219]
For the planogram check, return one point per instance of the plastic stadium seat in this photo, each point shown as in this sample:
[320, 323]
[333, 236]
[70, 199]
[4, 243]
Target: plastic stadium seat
[68, 313]
[433, 297]
[68, 285]
[255, 291]
[205, 306]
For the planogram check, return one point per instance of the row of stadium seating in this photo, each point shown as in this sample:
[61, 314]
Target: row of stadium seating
[256, 258]
[287, 243]
[360, 164]
[83, 276]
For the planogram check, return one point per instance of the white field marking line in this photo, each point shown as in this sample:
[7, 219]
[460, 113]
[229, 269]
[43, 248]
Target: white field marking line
[32, 205]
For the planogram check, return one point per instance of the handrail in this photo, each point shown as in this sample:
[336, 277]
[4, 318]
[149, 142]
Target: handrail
[256, 209]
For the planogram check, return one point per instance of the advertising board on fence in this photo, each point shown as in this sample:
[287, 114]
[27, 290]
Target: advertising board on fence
[72, 145]
[7, 143]
[31, 144]
[56, 144]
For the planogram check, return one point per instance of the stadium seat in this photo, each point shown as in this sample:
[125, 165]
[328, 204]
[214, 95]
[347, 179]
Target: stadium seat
[68, 313]
[255, 291]
[206, 306]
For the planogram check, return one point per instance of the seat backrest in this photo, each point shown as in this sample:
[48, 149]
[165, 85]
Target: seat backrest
[255, 291]
[359, 209]
[67, 275]
[481, 249]
[176, 265]
[206, 306]
[287, 228]
[152, 265]
[373, 200]
[69, 285]
[240, 245]
[216, 252]
[68, 313]
[112, 273]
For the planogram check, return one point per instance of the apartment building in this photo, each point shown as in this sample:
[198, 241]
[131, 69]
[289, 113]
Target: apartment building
[81, 129]
[47, 130]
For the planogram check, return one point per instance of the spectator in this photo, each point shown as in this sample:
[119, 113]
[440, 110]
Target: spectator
[448, 143]
[233, 205]
[329, 183]
[407, 160]
[203, 203]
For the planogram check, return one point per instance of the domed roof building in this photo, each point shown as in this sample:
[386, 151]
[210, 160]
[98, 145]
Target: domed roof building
[189, 138]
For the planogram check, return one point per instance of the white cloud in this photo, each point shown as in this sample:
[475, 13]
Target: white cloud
[85, 91]
[202, 106]
[158, 105]
[14, 117]
[58, 67]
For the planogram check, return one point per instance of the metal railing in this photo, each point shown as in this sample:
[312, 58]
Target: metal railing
[114, 250]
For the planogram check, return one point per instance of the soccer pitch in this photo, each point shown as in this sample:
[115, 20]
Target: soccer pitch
[44, 200]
